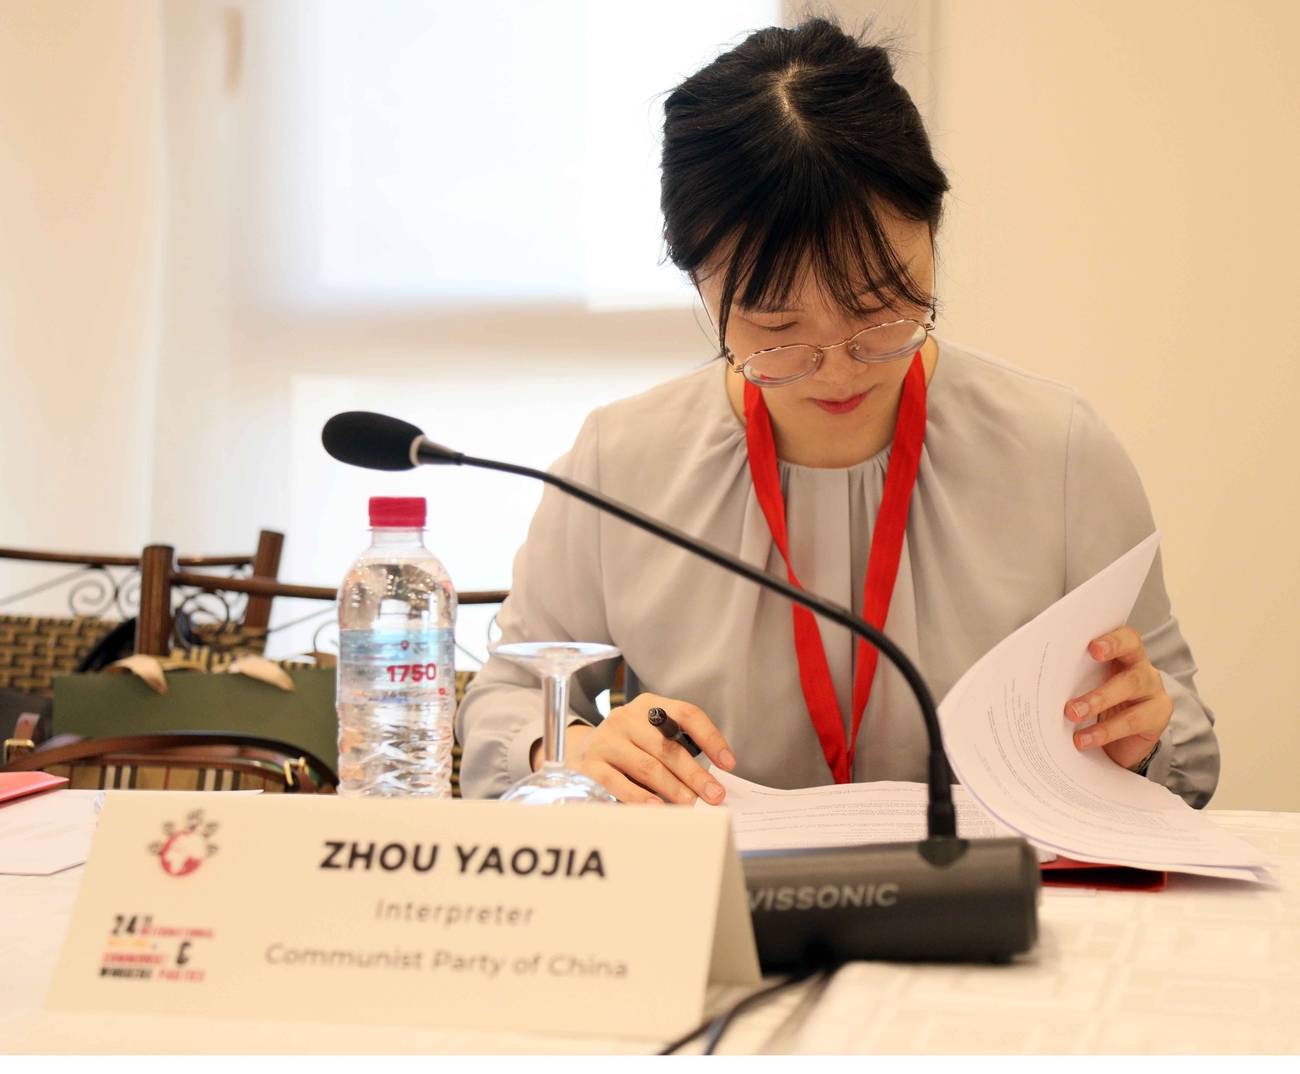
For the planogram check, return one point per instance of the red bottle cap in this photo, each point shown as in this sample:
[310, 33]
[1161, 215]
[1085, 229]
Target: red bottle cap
[398, 512]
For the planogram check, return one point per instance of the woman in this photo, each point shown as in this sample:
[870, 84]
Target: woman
[801, 195]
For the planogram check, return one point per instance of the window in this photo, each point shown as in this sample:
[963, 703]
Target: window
[504, 151]
[416, 163]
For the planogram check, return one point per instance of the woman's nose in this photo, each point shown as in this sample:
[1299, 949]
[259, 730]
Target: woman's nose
[837, 366]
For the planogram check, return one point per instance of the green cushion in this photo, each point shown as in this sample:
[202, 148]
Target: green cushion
[99, 706]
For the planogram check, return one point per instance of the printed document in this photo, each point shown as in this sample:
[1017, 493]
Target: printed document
[1012, 748]
[1010, 744]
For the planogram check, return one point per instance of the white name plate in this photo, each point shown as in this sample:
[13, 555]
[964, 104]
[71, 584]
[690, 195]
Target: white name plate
[607, 921]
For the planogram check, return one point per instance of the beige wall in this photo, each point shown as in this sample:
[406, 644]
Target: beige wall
[80, 227]
[198, 505]
[1125, 218]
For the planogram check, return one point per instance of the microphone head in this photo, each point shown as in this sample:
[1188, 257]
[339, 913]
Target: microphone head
[372, 441]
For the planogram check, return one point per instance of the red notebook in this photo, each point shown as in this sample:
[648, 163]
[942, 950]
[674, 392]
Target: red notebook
[21, 784]
[1066, 872]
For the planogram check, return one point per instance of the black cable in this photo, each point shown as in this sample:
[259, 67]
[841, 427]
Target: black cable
[720, 1024]
[723, 1022]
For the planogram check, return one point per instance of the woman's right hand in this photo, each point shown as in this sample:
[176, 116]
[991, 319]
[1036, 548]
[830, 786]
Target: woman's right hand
[628, 755]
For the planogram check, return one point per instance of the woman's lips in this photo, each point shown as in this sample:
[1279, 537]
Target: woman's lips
[841, 406]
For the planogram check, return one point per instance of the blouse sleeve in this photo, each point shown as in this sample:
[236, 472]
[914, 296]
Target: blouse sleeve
[1106, 514]
[556, 595]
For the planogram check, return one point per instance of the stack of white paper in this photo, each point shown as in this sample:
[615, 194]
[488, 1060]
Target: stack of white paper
[851, 814]
[766, 818]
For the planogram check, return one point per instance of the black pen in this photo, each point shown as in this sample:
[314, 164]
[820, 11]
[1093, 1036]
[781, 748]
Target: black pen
[670, 729]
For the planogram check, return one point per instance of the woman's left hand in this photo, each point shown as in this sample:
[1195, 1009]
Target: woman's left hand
[1132, 707]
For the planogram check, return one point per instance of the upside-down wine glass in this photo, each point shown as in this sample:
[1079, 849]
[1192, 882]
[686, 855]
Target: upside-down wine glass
[554, 783]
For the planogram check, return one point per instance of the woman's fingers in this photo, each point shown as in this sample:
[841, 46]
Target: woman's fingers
[696, 724]
[1132, 707]
[620, 786]
[678, 760]
[1148, 719]
[1122, 644]
[1135, 683]
[632, 758]
[650, 772]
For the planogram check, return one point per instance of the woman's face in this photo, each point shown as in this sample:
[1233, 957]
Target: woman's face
[844, 400]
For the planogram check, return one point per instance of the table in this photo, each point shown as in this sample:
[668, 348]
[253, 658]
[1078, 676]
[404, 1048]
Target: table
[1205, 966]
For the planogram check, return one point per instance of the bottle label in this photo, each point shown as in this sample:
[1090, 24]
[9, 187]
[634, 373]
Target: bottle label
[399, 661]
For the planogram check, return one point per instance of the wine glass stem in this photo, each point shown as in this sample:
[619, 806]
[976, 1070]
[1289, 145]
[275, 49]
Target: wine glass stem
[555, 710]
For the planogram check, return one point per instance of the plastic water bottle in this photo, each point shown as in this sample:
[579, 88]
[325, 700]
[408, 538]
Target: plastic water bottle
[396, 679]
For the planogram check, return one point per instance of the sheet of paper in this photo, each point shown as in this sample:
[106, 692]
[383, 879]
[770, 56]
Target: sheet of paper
[1256, 875]
[1010, 744]
[48, 833]
[51, 832]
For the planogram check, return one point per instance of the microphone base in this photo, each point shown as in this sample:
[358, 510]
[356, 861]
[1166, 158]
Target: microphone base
[942, 899]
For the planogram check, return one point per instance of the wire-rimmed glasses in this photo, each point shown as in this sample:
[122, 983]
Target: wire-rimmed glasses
[554, 783]
[776, 366]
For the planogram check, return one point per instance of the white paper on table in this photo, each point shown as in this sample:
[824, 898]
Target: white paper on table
[46, 833]
[1010, 744]
[49, 832]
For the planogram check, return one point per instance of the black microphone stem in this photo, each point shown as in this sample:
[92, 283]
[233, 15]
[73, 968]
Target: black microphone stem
[940, 818]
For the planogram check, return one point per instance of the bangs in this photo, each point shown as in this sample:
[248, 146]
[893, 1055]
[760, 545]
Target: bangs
[803, 226]
[841, 245]
[785, 161]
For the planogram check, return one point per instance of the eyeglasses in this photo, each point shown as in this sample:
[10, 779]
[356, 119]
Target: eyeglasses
[775, 366]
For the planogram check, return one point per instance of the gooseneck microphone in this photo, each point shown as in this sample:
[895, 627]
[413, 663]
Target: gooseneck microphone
[944, 898]
[378, 442]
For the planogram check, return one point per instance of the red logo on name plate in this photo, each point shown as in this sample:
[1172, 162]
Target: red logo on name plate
[184, 848]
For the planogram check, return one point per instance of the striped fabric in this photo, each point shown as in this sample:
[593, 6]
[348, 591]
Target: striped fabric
[158, 777]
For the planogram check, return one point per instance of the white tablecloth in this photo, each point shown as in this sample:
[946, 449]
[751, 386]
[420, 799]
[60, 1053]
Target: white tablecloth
[1205, 966]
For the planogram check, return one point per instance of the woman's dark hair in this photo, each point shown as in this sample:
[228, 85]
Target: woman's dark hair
[783, 153]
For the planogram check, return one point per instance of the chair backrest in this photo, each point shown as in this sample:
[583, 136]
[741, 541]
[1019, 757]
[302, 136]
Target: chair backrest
[101, 594]
[182, 760]
[36, 648]
[160, 576]
[157, 621]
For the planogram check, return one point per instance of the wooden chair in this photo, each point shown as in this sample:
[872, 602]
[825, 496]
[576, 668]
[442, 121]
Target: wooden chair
[34, 649]
[157, 619]
[181, 761]
[157, 616]
[160, 577]
[161, 573]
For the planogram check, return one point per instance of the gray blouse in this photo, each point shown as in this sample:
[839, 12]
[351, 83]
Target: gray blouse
[1023, 493]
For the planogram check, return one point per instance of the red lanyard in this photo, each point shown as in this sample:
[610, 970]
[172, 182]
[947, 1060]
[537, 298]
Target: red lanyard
[882, 567]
